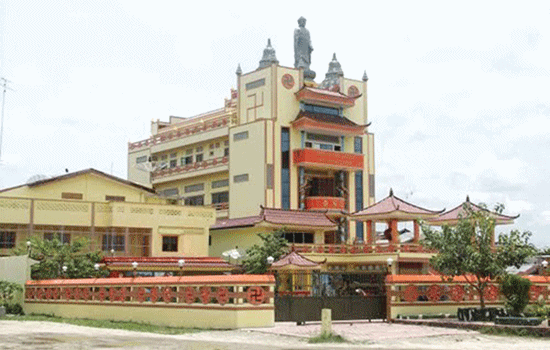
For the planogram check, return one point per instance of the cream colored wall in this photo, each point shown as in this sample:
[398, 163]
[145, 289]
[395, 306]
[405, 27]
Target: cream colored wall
[255, 103]
[357, 113]
[433, 309]
[205, 179]
[244, 238]
[247, 157]
[135, 173]
[163, 316]
[191, 241]
[92, 187]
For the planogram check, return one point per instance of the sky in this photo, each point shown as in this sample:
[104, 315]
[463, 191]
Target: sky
[458, 92]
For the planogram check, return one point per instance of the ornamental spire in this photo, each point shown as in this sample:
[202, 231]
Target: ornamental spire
[365, 77]
[332, 78]
[269, 56]
[239, 70]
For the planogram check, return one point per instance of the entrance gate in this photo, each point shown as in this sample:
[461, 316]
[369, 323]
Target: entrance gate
[350, 296]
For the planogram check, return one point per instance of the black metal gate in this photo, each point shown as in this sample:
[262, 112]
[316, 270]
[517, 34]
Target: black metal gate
[301, 309]
[349, 296]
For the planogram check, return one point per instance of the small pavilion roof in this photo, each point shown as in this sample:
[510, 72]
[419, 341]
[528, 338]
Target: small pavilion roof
[393, 207]
[293, 260]
[452, 216]
[279, 217]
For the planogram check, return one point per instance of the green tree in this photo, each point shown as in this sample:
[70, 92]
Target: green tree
[8, 291]
[53, 255]
[273, 244]
[516, 290]
[466, 249]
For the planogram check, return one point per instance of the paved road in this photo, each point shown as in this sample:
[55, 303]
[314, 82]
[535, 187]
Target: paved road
[284, 336]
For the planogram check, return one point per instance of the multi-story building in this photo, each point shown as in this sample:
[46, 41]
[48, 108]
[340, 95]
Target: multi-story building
[280, 142]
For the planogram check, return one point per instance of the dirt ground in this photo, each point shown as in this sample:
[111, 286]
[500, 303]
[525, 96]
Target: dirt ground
[45, 335]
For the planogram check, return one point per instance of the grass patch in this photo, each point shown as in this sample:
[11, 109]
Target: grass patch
[327, 338]
[126, 325]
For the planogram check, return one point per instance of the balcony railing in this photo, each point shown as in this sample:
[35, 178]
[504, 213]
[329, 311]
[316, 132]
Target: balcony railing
[359, 248]
[325, 203]
[181, 132]
[328, 159]
[220, 206]
[209, 163]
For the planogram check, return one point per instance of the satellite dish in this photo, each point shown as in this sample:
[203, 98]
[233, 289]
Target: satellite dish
[150, 166]
[36, 178]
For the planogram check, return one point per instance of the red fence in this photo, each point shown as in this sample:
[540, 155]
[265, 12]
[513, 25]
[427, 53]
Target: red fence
[221, 292]
[359, 248]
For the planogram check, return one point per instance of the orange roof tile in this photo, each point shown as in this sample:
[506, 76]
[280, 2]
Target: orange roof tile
[294, 259]
[452, 216]
[393, 207]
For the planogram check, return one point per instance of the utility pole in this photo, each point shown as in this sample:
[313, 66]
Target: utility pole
[4, 84]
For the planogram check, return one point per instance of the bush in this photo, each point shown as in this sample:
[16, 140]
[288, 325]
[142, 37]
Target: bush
[519, 321]
[516, 290]
[13, 308]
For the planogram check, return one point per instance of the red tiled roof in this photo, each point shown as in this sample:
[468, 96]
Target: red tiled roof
[393, 205]
[326, 118]
[294, 259]
[453, 215]
[332, 97]
[282, 217]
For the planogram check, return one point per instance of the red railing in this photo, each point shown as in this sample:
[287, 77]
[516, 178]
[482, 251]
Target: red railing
[359, 248]
[332, 159]
[209, 163]
[220, 291]
[220, 206]
[181, 132]
[324, 203]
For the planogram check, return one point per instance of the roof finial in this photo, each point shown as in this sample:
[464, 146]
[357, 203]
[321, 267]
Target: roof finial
[239, 70]
[365, 77]
[269, 56]
[467, 198]
[391, 192]
[332, 78]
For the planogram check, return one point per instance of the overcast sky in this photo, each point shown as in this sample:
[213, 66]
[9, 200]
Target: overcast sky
[459, 93]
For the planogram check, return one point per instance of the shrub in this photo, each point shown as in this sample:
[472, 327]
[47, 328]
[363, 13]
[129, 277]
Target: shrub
[519, 321]
[516, 290]
[13, 308]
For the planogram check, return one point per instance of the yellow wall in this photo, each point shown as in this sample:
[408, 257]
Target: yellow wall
[243, 238]
[163, 316]
[92, 187]
[245, 198]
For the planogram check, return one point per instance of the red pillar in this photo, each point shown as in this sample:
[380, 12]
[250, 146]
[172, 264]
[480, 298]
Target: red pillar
[370, 235]
[416, 238]
[394, 233]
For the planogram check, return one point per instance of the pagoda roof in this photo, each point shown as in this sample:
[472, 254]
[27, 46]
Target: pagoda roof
[327, 123]
[293, 260]
[279, 217]
[393, 207]
[325, 97]
[452, 216]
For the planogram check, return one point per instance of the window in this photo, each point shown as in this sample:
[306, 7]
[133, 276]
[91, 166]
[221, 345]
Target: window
[212, 146]
[371, 185]
[211, 153]
[325, 142]
[240, 136]
[320, 109]
[115, 198]
[154, 158]
[226, 152]
[189, 151]
[358, 144]
[173, 155]
[115, 242]
[169, 192]
[186, 160]
[220, 183]
[299, 237]
[285, 168]
[163, 157]
[199, 149]
[198, 158]
[7, 239]
[240, 178]
[173, 163]
[71, 195]
[141, 159]
[359, 203]
[169, 243]
[220, 197]
[194, 200]
[226, 143]
[194, 188]
[254, 84]
[64, 238]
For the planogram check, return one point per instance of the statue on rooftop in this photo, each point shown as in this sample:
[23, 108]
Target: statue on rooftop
[303, 48]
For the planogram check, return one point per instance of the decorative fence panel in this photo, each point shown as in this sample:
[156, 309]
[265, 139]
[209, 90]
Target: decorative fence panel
[430, 294]
[231, 301]
[359, 248]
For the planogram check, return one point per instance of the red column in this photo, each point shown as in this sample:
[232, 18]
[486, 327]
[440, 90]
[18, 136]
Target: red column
[370, 235]
[416, 232]
[394, 233]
